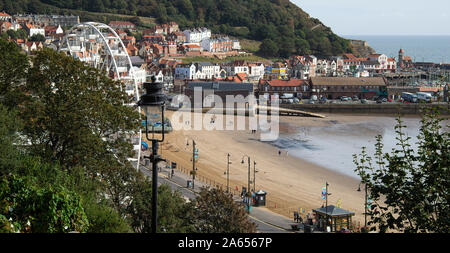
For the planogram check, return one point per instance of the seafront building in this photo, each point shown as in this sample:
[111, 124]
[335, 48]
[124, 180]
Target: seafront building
[163, 47]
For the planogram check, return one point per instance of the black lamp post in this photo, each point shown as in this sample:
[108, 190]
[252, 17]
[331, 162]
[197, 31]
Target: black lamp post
[194, 156]
[153, 103]
[326, 203]
[228, 172]
[365, 203]
[248, 189]
[242, 162]
[254, 176]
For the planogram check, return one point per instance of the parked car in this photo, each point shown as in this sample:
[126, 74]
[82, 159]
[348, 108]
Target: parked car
[355, 98]
[344, 98]
[364, 101]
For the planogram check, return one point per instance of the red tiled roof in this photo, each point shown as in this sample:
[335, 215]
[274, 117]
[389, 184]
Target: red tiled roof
[233, 79]
[349, 56]
[241, 76]
[281, 83]
[153, 35]
[4, 14]
[407, 58]
[8, 24]
[50, 28]
[192, 46]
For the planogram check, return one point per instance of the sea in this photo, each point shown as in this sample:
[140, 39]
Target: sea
[333, 146]
[434, 49]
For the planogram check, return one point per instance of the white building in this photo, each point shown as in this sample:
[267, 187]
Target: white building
[208, 70]
[236, 45]
[4, 16]
[233, 70]
[217, 45]
[140, 75]
[256, 71]
[185, 72]
[381, 59]
[34, 31]
[197, 35]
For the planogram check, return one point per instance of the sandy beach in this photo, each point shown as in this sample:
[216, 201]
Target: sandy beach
[291, 183]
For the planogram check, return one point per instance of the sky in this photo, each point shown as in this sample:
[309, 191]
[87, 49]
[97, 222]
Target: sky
[381, 17]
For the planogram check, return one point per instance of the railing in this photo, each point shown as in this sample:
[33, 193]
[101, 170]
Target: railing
[274, 204]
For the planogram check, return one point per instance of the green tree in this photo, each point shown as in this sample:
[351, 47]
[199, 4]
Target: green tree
[9, 127]
[268, 48]
[13, 67]
[215, 211]
[104, 219]
[74, 112]
[39, 210]
[302, 47]
[37, 37]
[409, 188]
[171, 208]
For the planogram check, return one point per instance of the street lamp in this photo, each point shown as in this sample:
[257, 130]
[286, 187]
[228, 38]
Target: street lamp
[228, 172]
[248, 189]
[242, 162]
[326, 203]
[365, 203]
[153, 104]
[194, 156]
[254, 176]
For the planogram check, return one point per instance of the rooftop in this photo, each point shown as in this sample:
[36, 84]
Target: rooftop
[282, 83]
[333, 211]
[221, 86]
[372, 81]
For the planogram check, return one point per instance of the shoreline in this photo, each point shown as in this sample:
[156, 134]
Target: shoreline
[290, 182]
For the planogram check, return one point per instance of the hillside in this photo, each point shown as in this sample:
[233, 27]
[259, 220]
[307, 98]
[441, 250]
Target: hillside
[282, 28]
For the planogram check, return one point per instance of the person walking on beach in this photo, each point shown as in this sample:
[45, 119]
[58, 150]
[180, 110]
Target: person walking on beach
[279, 152]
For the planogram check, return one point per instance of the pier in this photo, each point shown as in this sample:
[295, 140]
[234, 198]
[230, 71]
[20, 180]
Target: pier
[248, 112]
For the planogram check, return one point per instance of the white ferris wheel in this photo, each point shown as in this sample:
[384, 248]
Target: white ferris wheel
[99, 46]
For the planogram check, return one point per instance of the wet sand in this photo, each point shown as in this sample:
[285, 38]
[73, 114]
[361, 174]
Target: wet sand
[291, 183]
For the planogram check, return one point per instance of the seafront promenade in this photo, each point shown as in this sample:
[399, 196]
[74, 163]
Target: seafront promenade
[265, 220]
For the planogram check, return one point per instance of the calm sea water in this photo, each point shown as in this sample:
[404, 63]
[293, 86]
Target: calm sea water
[333, 146]
[421, 48]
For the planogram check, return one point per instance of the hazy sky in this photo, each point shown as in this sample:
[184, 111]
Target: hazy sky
[381, 17]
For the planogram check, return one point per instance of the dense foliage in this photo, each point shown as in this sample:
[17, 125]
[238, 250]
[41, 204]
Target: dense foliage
[292, 30]
[409, 188]
[215, 211]
[26, 208]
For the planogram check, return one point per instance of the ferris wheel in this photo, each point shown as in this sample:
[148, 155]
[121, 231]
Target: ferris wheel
[99, 46]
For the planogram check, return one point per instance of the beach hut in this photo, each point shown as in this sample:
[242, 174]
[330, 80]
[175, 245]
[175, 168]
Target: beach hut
[339, 217]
